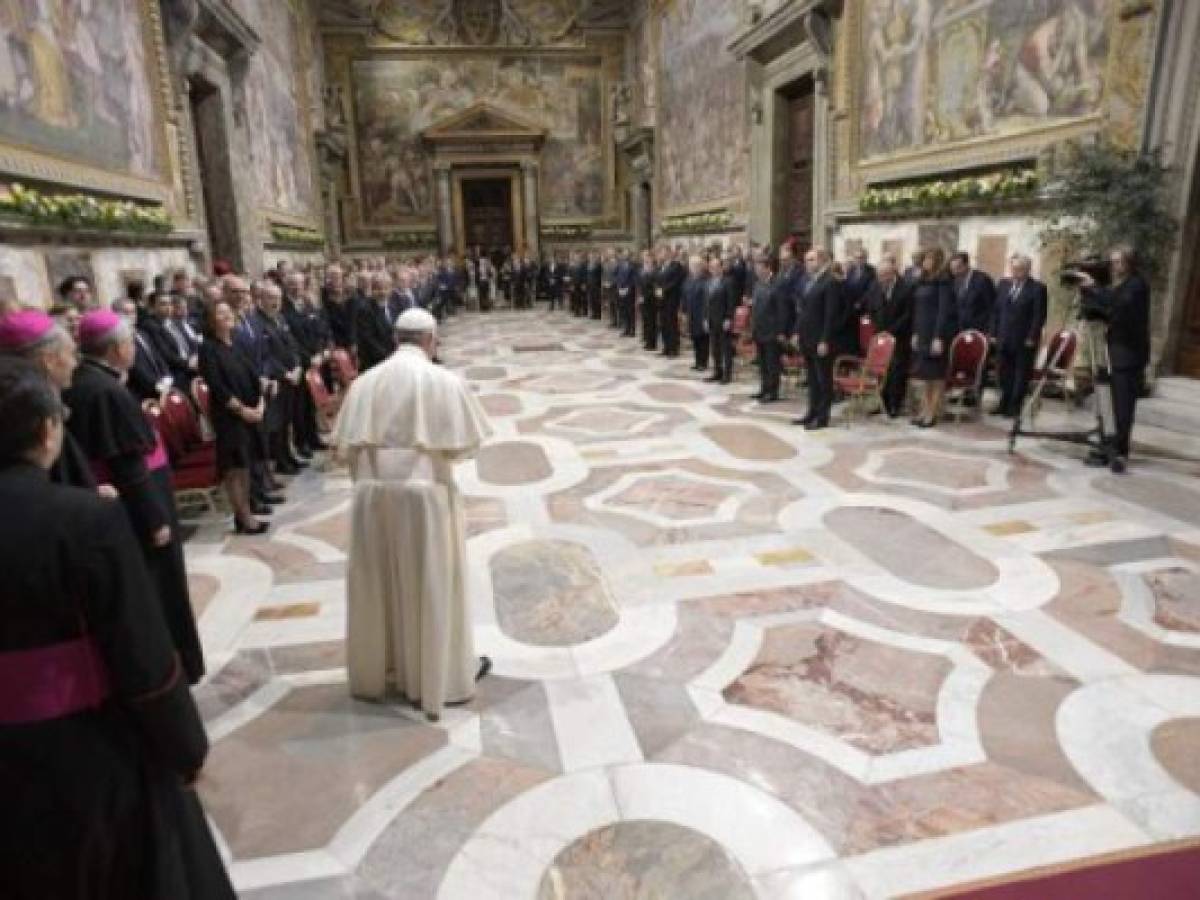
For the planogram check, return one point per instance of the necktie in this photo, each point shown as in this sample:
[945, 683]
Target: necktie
[1015, 291]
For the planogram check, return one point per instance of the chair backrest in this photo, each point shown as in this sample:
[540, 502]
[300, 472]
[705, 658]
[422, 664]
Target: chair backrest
[200, 394]
[866, 331]
[344, 369]
[968, 353]
[182, 418]
[162, 427]
[880, 351]
[316, 388]
[741, 320]
[1060, 352]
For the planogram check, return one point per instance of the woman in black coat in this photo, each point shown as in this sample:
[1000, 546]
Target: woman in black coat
[236, 407]
[932, 325]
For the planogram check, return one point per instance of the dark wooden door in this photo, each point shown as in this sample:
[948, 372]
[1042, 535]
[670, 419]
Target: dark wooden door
[1188, 362]
[800, 165]
[487, 212]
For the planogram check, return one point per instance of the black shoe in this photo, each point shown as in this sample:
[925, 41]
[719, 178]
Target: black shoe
[260, 528]
[727, 380]
[485, 667]
[770, 398]
[274, 499]
[818, 425]
[757, 396]
[261, 509]
[806, 421]
[713, 379]
[1119, 465]
[305, 454]
[297, 463]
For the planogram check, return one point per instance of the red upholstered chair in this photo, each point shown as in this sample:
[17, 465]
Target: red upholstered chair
[343, 367]
[201, 396]
[193, 448]
[195, 481]
[745, 351]
[327, 404]
[859, 378]
[1056, 366]
[964, 372]
[866, 331]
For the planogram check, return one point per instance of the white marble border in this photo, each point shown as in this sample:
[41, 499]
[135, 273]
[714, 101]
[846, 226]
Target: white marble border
[995, 472]
[1138, 603]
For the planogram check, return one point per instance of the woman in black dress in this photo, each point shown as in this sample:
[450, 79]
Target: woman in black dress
[236, 406]
[932, 323]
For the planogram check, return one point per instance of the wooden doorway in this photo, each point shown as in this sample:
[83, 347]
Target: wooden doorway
[487, 213]
[801, 132]
[214, 162]
[1188, 361]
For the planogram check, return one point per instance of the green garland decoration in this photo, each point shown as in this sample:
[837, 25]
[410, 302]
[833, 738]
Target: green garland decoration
[29, 206]
[410, 240]
[566, 232]
[698, 223]
[297, 237]
[995, 189]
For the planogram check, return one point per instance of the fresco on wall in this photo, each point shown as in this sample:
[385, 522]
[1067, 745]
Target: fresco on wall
[645, 70]
[702, 144]
[279, 144]
[74, 83]
[478, 22]
[940, 71]
[395, 100]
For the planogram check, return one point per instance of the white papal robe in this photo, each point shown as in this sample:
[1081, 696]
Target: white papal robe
[403, 426]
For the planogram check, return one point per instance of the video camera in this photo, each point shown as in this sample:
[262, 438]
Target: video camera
[1099, 269]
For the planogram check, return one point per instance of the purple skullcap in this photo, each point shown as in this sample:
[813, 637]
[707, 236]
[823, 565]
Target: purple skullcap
[95, 327]
[26, 330]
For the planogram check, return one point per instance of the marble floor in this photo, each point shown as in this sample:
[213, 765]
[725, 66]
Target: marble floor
[732, 659]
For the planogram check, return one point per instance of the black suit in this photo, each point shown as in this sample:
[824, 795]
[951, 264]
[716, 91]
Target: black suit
[719, 306]
[595, 297]
[855, 288]
[890, 310]
[175, 354]
[1127, 307]
[819, 311]
[1020, 316]
[148, 367]
[375, 340]
[648, 285]
[769, 319]
[280, 355]
[670, 283]
[974, 302]
[579, 280]
[625, 279]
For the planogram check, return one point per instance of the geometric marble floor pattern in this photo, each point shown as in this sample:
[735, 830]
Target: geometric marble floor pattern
[732, 658]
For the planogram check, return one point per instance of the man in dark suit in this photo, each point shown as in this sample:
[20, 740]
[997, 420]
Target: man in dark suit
[374, 328]
[648, 289]
[1020, 315]
[719, 305]
[338, 307]
[595, 289]
[769, 318]
[974, 295]
[625, 282]
[282, 366]
[738, 275]
[579, 284]
[889, 304]
[818, 311]
[179, 357]
[1126, 307]
[669, 290]
[149, 377]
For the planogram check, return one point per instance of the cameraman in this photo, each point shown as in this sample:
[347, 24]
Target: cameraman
[1126, 308]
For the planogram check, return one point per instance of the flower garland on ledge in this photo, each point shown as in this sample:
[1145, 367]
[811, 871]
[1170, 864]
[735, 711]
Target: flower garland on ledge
[566, 232]
[28, 206]
[698, 223]
[411, 240]
[297, 237]
[981, 190]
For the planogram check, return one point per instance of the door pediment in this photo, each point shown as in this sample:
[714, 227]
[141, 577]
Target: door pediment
[482, 123]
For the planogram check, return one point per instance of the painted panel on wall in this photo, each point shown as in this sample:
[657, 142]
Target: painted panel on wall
[75, 83]
[276, 109]
[938, 72]
[702, 146]
[482, 22]
[395, 100]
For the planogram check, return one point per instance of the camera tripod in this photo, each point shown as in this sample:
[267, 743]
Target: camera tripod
[1099, 437]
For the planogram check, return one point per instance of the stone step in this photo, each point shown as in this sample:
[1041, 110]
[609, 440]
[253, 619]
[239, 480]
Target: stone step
[1173, 415]
[1178, 389]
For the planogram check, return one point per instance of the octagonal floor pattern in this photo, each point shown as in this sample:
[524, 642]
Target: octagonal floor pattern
[732, 658]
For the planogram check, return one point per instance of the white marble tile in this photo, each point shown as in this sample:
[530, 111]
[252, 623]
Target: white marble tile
[590, 723]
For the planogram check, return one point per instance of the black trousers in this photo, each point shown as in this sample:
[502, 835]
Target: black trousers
[1126, 388]
[1015, 367]
[650, 323]
[304, 418]
[770, 367]
[700, 343]
[579, 302]
[670, 326]
[596, 303]
[896, 389]
[820, 384]
[626, 306]
[720, 350]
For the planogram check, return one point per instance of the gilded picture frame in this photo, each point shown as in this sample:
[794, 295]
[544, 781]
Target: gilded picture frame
[23, 161]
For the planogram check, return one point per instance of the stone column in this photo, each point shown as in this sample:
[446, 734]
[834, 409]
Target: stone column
[529, 180]
[822, 226]
[445, 209]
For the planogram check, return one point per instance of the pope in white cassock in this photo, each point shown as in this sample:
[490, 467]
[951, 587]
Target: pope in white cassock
[403, 426]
